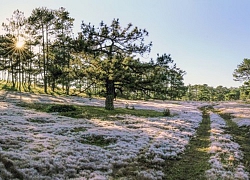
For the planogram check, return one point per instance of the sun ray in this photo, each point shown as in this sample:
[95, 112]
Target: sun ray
[20, 44]
[16, 47]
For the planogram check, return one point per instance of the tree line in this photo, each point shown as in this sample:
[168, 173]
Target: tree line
[43, 50]
[220, 93]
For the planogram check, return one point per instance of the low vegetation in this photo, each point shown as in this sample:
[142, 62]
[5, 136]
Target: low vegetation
[166, 112]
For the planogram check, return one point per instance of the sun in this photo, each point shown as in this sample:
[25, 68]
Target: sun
[20, 44]
[16, 46]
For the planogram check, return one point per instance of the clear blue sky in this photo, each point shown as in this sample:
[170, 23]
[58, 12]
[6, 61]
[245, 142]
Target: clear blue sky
[206, 38]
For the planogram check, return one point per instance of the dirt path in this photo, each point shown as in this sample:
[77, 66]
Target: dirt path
[194, 162]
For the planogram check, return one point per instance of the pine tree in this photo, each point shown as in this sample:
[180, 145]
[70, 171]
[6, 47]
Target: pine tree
[111, 51]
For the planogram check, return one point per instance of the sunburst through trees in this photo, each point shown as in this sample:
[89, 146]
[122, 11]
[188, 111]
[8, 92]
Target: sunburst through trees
[42, 51]
[20, 44]
[15, 51]
[15, 47]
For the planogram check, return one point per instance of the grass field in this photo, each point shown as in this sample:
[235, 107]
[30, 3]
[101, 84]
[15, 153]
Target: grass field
[54, 137]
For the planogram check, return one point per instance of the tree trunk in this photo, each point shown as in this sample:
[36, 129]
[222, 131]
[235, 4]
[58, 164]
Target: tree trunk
[29, 76]
[110, 91]
[53, 84]
[68, 81]
[19, 74]
[44, 63]
[12, 74]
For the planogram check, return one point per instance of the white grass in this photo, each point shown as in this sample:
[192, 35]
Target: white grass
[45, 146]
[240, 112]
[226, 155]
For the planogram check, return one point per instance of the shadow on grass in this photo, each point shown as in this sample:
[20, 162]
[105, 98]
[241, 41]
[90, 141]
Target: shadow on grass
[14, 173]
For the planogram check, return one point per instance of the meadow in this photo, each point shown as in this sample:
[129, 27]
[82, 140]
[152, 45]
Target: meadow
[68, 137]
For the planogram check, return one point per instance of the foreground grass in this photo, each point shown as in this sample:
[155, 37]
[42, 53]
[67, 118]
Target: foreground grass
[194, 162]
[241, 135]
[89, 112]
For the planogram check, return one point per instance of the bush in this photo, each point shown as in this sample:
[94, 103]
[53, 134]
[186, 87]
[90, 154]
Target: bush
[166, 112]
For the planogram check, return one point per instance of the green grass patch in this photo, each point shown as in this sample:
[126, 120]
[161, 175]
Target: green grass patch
[36, 89]
[76, 111]
[39, 121]
[241, 135]
[61, 108]
[194, 162]
[36, 106]
[78, 129]
[97, 140]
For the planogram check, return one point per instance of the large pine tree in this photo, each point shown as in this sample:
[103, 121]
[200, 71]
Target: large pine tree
[111, 51]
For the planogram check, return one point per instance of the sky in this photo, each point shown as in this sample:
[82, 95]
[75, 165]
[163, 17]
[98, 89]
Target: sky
[206, 38]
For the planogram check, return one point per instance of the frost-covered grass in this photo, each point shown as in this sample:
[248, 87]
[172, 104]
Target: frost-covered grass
[41, 145]
[123, 144]
[226, 156]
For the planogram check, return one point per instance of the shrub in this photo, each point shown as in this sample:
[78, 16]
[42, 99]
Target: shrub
[166, 112]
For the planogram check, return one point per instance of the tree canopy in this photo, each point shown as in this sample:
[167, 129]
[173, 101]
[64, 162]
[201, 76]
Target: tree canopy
[111, 49]
[242, 73]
